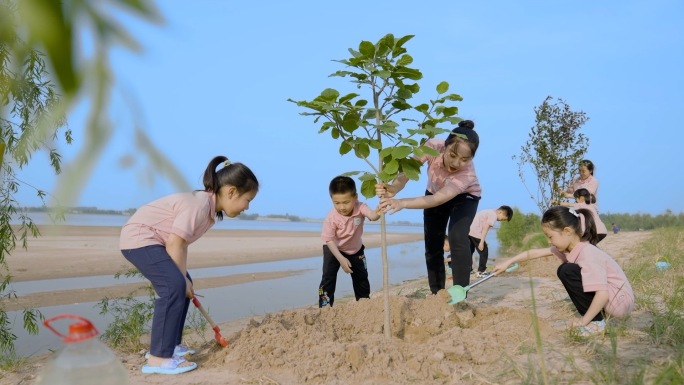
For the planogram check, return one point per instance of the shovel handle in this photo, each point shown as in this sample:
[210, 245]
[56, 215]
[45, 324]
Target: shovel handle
[217, 332]
[513, 267]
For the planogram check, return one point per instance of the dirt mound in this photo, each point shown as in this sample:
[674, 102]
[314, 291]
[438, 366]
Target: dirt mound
[431, 342]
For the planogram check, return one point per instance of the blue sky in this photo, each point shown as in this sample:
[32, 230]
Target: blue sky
[214, 79]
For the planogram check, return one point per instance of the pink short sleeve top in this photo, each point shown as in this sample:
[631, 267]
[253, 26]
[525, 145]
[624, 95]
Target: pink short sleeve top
[188, 215]
[600, 272]
[464, 180]
[591, 184]
[346, 231]
[483, 219]
[600, 226]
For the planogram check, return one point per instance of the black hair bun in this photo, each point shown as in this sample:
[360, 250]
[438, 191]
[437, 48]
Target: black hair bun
[467, 124]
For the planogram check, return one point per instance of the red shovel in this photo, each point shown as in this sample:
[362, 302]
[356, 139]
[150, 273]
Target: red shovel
[217, 333]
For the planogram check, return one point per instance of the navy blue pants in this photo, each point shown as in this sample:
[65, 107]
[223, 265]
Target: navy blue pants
[171, 307]
[359, 276]
[458, 214]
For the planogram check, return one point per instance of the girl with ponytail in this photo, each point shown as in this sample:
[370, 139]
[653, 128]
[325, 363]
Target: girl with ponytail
[155, 240]
[595, 283]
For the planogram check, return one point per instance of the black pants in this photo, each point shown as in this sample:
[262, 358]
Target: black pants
[484, 254]
[571, 277]
[359, 276]
[458, 214]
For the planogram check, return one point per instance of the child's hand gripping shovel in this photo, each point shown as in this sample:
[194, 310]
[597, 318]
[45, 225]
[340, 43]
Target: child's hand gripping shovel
[458, 293]
[217, 333]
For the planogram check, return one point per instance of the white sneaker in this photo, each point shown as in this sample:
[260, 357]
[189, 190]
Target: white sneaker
[482, 274]
[178, 351]
[594, 327]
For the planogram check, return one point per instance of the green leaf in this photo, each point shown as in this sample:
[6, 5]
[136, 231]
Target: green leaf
[400, 105]
[367, 49]
[384, 74]
[442, 87]
[408, 73]
[361, 103]
[386, 152]
[385, 177]
[367, 176]
[391, 167]
[354, 53]
[345, 148]
[411, 168]
[375, 144]
[424, 108]
[347, 97]
[329, 94]
[350, 122]
[450, 111]
[368, 188]
[362, 150]
[401, 152]
[404, 93]
[404, 60]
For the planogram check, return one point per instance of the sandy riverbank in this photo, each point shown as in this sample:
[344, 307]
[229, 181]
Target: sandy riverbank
[487, 339]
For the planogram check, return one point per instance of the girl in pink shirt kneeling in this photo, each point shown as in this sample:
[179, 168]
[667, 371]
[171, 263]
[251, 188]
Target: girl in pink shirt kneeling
[155, 240]
[595, 283]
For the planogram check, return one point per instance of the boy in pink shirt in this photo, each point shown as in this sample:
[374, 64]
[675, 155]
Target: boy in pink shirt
[595, 283]
[343, 247]
[483, 221]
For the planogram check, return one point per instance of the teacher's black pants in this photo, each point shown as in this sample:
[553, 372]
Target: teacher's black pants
[458, 215]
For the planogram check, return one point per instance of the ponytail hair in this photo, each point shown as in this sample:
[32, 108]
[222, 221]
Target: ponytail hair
[580, 220]
[230, 174]
[584, 193]
[465, 132]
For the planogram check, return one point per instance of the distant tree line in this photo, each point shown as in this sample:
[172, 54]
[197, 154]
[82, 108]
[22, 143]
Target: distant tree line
[639, 221]
[524, 230]
[77, 210]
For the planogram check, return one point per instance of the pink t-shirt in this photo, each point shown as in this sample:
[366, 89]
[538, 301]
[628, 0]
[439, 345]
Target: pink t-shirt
[600, 226]
[591, 184]
[601, 272]
[483, 219]
[188, 215]
[346, 231]
[464, 180]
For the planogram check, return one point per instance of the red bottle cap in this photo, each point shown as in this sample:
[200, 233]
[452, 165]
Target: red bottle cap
[78, 331]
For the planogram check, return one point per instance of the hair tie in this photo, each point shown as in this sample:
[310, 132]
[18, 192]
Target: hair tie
[581, 218]
[226, 163]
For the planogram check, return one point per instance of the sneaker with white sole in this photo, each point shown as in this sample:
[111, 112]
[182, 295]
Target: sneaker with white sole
[593, 328]
[482, 274]
[178, 351]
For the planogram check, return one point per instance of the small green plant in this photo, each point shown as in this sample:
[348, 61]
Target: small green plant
[197, 324]
[387, 130]
[12, 361]
[131, 315]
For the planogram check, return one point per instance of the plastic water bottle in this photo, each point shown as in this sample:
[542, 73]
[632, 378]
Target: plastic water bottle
[84, 359]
